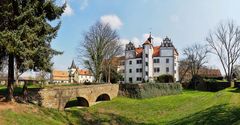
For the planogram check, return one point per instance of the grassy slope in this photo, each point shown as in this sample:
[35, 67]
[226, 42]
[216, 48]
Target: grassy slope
[191, 107]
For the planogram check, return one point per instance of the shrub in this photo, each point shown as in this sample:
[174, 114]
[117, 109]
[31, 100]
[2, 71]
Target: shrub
[196, 82]
[216, 78]
[207, 84]
[166, 78]
[159, 89]
[149, 90]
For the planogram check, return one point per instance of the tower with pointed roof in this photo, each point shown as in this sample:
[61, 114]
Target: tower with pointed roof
[72, 69]
[147, 59]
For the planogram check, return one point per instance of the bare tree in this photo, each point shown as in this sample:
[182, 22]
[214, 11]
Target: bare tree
[196, 58]
[225, 43]
[236, 71]
[100, 43]
[183, 70]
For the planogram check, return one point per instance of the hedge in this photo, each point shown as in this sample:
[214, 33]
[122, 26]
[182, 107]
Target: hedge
[216, 86]
[165, 78]
[148, 90]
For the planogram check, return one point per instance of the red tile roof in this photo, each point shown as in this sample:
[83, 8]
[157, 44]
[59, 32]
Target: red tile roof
[84, 72]
[139, 52]
[60, 75]
[156, 51]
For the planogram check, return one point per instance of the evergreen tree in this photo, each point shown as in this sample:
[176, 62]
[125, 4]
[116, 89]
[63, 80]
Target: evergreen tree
[26, 34]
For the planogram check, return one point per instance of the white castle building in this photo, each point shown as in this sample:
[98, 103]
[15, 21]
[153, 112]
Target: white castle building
[77, 75]
[73, 75]
[148, 62]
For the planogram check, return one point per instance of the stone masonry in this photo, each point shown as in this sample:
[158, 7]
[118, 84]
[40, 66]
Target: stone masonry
[57, 97]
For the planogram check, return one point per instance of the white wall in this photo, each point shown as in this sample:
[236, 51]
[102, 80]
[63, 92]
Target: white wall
[85, 78]
[133, 66]
[148, 49]
[166, 51]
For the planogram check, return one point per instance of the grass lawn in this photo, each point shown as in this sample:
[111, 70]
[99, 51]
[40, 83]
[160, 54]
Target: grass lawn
[190, 107]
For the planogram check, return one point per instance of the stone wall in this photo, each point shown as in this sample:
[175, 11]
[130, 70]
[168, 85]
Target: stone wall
[57, 97]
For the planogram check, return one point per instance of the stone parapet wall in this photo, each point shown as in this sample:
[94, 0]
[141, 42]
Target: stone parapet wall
[57, 97]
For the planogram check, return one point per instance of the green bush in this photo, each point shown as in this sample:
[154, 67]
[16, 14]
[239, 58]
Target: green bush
[166, 78]
[207, 84]
[160, 89]
[148, 90]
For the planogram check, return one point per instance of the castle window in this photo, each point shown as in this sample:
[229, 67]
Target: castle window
[139, 70]
[139, 61]
[155, 60]
[167, 60]
[156, 69]
[146, 63]
[130, 62]
[146, 55]
[130, 79]
[167, 69]
[146, 73]
[130, 70]
[139, 79]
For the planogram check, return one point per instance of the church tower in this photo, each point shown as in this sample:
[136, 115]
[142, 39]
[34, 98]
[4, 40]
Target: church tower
[72, 70]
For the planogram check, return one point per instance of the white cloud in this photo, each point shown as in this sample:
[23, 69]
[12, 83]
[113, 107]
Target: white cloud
[136, 41]
[84, 4]
[113, 20]
[68, 11]
[124, 41]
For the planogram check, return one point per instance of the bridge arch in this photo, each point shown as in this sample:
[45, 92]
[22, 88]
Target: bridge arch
[103, 97]
[79, 101]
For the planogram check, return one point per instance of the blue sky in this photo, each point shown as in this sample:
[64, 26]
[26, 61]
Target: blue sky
[184, 21]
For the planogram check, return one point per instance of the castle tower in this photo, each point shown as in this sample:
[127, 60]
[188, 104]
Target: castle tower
[148, 59]
[170, 58]
[130, 51]
[72, 69]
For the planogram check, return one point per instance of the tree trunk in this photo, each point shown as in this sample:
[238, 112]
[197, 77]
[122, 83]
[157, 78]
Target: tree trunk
[109, 78]
[10, 88]
[16, 74]
[24, 91]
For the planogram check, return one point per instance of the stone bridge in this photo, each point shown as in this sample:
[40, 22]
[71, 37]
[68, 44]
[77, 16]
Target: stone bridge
[85, 95]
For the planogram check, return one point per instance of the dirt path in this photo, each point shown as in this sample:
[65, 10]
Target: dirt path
[8, 105]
